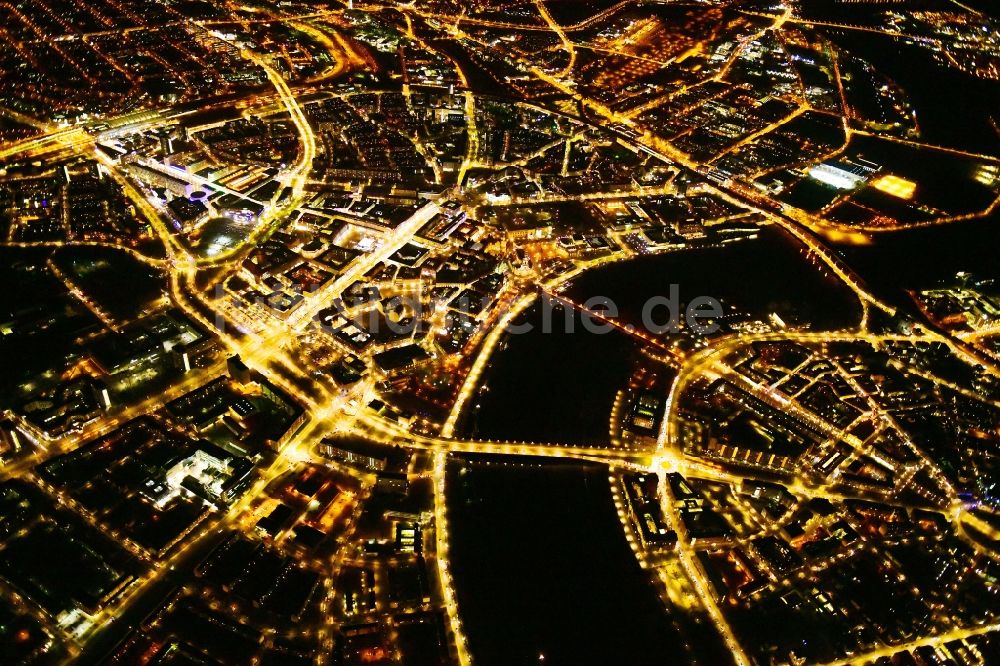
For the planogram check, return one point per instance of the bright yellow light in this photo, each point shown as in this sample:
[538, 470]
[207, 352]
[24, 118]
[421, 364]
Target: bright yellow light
[988, 175]
[895, 186]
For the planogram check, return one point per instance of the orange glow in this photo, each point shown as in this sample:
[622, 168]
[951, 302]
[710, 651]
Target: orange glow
[895, 186]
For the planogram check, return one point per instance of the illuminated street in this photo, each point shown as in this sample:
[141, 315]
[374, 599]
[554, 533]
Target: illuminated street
[500, 332]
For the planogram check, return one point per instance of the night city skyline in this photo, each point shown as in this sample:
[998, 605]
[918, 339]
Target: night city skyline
[500, 332]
